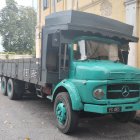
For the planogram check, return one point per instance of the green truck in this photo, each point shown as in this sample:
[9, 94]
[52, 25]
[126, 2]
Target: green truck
[83, 69]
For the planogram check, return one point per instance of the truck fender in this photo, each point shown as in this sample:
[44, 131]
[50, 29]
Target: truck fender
[67, 86]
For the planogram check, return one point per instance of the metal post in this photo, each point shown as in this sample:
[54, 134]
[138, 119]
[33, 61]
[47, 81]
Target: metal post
[65, 56]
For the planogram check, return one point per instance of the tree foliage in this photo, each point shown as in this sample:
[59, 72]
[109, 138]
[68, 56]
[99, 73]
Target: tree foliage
[17, 28]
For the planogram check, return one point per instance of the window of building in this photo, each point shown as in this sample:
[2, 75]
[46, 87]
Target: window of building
[45, 4]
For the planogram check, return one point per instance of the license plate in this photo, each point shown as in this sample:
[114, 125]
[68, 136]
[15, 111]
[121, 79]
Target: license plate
[114, 109]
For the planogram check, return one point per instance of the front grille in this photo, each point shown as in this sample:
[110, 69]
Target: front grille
[116, 91]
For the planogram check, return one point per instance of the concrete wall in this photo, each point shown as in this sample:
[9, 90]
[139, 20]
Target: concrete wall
[12, 56]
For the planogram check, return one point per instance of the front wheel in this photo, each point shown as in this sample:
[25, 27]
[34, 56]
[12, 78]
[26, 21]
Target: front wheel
[66, 118]
[124, 116]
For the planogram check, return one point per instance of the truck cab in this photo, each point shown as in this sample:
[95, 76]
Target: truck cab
[99, 79]
[101, 75]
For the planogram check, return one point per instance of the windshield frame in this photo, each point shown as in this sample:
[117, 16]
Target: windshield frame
[94, 38]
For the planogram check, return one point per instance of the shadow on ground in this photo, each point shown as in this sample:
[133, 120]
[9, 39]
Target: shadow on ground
[99, 127]
[36, 117]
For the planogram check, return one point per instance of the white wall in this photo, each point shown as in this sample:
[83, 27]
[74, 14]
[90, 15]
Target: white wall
[10, 56]
[131, 19]
[69, 4]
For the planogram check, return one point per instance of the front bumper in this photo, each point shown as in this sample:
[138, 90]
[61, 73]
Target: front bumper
[103, 109]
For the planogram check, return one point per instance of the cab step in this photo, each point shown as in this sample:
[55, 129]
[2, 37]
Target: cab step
[39, 93]
[50, 97]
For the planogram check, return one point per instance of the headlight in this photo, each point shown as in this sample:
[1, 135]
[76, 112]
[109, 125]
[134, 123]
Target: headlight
[98, 94]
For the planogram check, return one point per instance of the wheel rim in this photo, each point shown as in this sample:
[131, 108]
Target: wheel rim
[61, 113]
[2, 86]
[9, 89]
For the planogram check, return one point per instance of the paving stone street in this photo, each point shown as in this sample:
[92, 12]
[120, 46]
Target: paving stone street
[33, 118]
[70, 65]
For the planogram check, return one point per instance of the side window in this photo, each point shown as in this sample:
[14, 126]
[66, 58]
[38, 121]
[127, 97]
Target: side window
[76, 52]
[64, 61]
[64, 57]
[52, 56]
[45, 4]
[123, 53]
[79, 50]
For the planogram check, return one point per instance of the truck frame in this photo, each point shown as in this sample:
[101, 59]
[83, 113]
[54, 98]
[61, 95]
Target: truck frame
[83, 68]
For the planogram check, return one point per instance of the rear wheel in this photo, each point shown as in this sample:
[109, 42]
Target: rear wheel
[15, 89]
[32, 88]
[124, 116]
[66, 118]
[3, 88]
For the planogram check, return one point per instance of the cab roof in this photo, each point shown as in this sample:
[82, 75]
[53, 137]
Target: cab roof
[86, 22]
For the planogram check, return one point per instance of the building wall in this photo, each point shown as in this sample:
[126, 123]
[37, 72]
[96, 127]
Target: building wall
[115, 9]
[131, 18]
[107, 8]
[138, 33]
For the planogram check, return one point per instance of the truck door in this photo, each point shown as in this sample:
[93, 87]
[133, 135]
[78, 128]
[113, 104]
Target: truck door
[64, 57]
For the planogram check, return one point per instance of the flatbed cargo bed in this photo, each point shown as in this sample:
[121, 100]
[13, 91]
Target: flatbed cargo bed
[27, 70]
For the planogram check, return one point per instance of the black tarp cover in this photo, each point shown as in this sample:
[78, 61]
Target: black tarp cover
[81, 21]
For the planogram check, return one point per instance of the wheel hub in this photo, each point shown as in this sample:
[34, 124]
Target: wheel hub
[2, 85]
[61, 113]
[9, 87]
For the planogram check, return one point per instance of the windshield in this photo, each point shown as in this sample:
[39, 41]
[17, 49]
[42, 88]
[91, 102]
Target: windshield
[90, 49]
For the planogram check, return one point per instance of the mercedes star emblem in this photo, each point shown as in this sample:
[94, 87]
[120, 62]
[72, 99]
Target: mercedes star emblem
[125, 91]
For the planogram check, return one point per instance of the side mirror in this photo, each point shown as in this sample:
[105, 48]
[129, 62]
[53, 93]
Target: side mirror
[75, 47]
[125, 56]
[56, 39]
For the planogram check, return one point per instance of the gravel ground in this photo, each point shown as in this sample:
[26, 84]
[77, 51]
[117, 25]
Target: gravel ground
[33, 118]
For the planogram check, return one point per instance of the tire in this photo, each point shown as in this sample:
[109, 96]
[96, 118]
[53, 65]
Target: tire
[124, 116]
[15, 89]
[32, 88]
[67, 122]
[3, 88]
